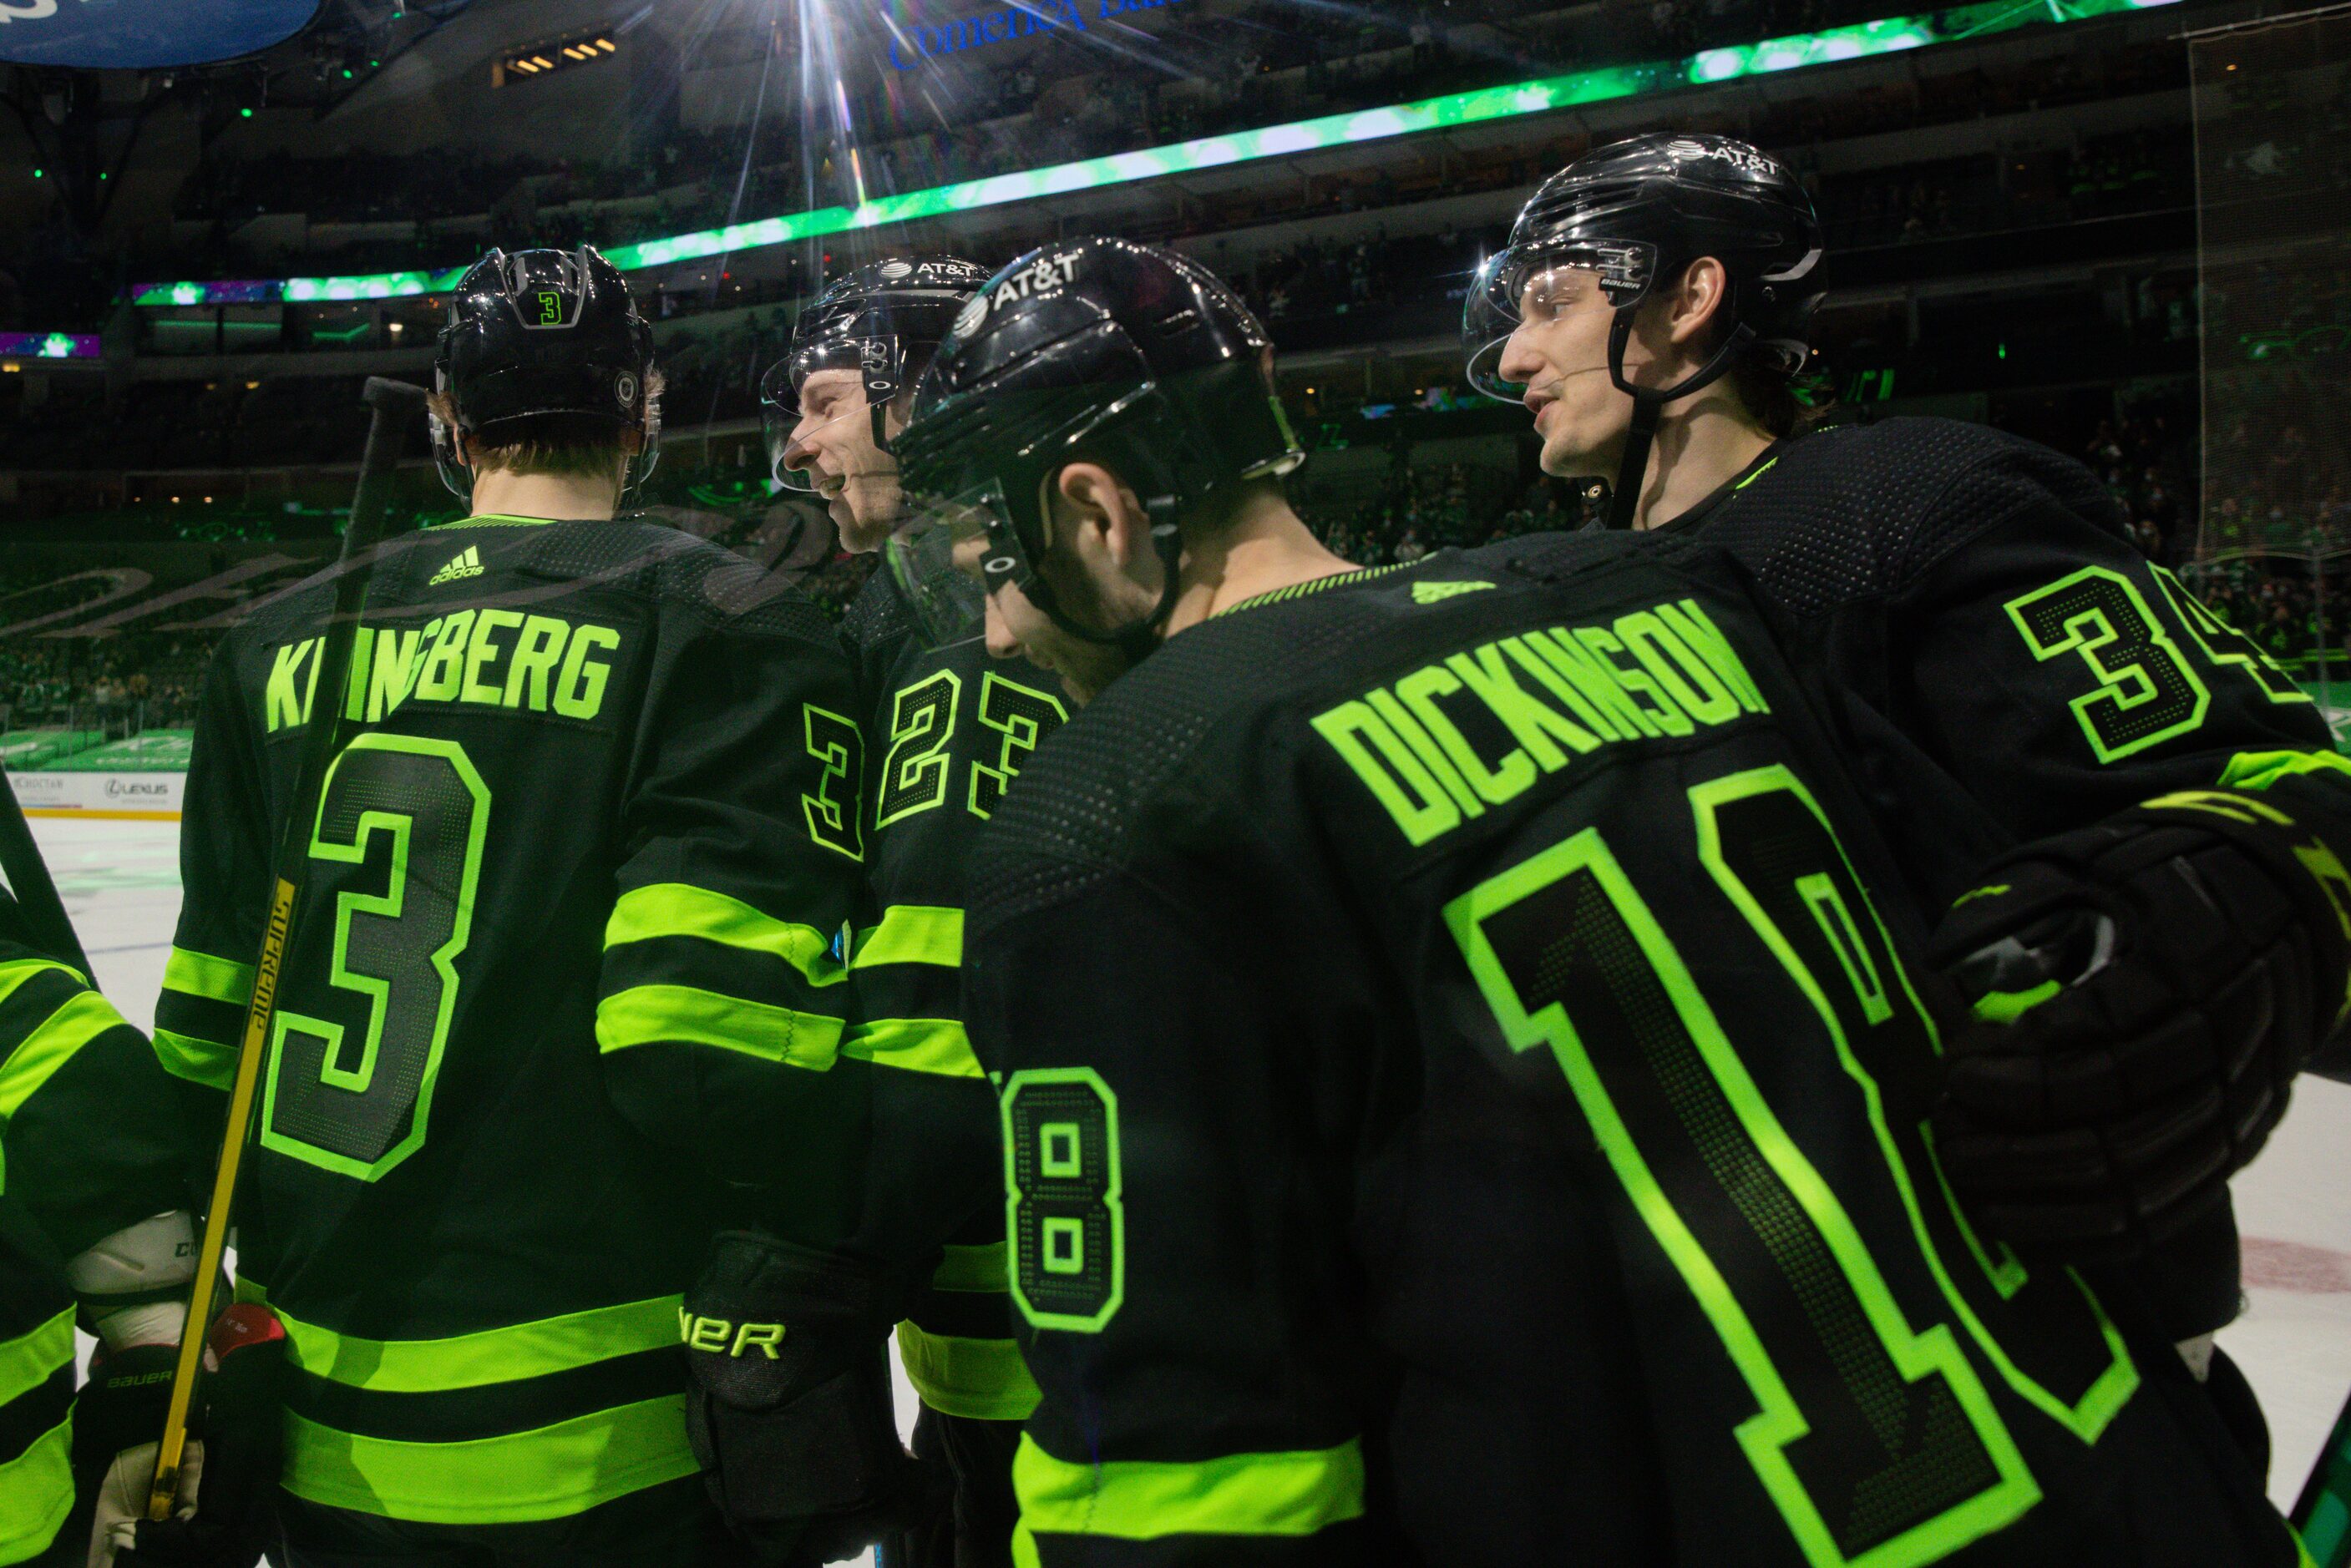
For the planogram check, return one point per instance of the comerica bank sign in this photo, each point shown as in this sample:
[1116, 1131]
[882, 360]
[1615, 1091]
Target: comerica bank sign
[913, 43]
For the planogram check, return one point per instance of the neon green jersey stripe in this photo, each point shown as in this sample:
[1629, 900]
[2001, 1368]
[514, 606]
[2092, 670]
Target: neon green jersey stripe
[15, 973]
[207, 1062]
[37, 1492]
[1242, 1494]
[979, 1268]
[31, 1359]
[651, 1015]
[915, 1045]
[492, 1356]
[680, 909]
[213, 978]
[548, 1473]
[977, 1379]
[36, 1059]
[913, 933]
[2259, 770]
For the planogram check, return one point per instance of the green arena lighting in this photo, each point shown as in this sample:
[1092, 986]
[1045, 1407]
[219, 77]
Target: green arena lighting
[1891, 34]
[244, 113]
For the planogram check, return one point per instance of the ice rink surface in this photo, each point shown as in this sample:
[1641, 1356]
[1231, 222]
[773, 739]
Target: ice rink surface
[120, 881]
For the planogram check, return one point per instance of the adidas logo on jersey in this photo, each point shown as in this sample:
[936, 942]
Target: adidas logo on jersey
[1436, 592]
[467, 564]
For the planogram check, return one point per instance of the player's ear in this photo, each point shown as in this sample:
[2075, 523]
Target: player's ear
[1699, 297]
[1101, 516]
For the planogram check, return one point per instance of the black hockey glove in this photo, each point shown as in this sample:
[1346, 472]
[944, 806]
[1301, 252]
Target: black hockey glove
[229, 1479]
[2144, 991]
[790, 1413]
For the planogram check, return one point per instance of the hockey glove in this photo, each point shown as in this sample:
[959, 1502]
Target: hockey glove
[2145, 991]
[228, 1479]
[790, 1412]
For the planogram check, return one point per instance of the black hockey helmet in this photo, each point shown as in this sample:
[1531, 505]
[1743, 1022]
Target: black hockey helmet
[1121, 353]
[1636, 212]
[543, 332]
[881, 321]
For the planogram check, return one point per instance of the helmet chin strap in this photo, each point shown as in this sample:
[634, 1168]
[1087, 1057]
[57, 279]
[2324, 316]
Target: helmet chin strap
[1649, 404]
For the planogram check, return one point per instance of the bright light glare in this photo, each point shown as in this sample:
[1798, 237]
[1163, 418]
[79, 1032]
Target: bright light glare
[1887, 35]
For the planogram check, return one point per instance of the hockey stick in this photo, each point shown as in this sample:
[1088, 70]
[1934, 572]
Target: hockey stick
[395, 406]
[46, 921]
[2321, 1515]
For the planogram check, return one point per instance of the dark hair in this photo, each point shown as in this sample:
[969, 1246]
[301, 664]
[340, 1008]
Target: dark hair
[564, 445]
[1770, 395]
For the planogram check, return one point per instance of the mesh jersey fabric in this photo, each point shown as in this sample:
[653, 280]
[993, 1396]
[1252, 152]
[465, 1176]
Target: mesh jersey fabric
[1467, 1144]
[946, 731]
[2007, 664]
[561, 1000]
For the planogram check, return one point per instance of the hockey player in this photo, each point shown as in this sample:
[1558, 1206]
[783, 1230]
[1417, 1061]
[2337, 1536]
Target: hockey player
[2011, 667]
[36, 1379]
[1462, 1102]
[562, 1000]
[945, 732]
[100, 1157]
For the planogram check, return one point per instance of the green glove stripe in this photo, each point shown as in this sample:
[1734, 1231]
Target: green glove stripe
[36, 1059]
[491, 1355]
[978, 1379]
[1137, 1499]
[913, 933]
[939, 1045]
[550, 1472]
[213, 978]
[972, 1268]
[2008, 1006]
[212, 1063]
[2259, 770]
[37, 1492]
[680, 909]
[31, 1359]
[685, 1015]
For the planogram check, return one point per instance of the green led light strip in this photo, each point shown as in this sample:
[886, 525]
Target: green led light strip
[1891, 34]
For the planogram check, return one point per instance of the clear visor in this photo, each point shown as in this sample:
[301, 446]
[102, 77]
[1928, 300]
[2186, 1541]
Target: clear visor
[948, 553]
[1532, 284]
[815, 390]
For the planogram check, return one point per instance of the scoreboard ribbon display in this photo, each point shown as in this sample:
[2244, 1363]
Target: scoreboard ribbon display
[137, 34]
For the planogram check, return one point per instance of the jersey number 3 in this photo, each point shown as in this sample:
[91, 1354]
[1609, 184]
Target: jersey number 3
[351, 1095]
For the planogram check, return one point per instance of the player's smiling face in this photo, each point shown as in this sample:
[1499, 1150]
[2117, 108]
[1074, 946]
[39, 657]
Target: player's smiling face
[834, 442]
[1559, 352]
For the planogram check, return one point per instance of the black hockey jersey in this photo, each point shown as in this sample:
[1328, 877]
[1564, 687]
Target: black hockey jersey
[93, 1138]
[1467, 1069]
[947, 730]
[36, 1381]
[2009, 665]
[565, 987]
[2013, 666]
